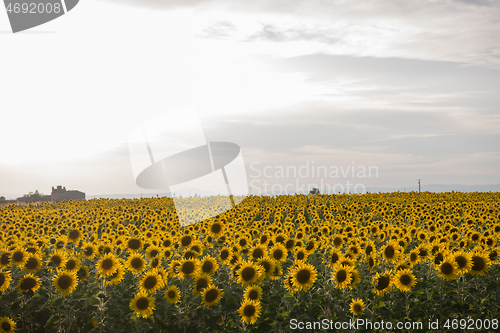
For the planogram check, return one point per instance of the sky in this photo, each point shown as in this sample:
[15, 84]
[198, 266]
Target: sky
[408, 88]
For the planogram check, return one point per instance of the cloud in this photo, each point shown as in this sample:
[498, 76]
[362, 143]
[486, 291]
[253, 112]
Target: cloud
[458, 31]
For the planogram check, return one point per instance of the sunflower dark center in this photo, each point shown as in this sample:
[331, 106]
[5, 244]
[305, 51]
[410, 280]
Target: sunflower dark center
[5, 259]
[337, 241]
[280, 239]
[438, 259]
[357, 307]
[153, 253]
[278, 254]
[405, 279]
[188, 267]
[447, 268]
[341, 276]
[383, 282]
[64, 282]
[253, 294]
[32, 263]
[224, 254]
[186, 240]
[216, 228]
[211, 295]
[71, 264]
[300, 255]
[266, 265]
[18, 256]
[303, 276]
[249, 310]
[150, 282]
[142, 303]
[134, 244]
[171, 294]
[310, 246]
[290, 243]
[478, 264]
[28, 283]
[248, 273]
[461, 261]
[107, 264]
[389, 251]
[201, 284]
[136, 263]
[89, 251]
[74, 234]
[207, 267]
[257, 253]
[6, 326]
[423, 253]
[2, 279]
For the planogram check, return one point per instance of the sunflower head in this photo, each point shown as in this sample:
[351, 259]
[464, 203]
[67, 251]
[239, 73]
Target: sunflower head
[65, 282]
[172, 294]
[142, 305]
[250, 311]
[357, 306]
[211, 295]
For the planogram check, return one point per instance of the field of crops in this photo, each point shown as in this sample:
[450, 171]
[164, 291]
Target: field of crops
[128, 266]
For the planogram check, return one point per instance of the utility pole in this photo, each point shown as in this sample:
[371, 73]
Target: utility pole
[418, 185]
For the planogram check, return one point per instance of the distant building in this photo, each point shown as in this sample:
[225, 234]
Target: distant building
[60, 193]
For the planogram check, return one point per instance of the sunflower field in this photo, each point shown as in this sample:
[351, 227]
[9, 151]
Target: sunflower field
[105, 265]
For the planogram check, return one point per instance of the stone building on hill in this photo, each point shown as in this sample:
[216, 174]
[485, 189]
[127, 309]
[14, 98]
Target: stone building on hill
[60, 193]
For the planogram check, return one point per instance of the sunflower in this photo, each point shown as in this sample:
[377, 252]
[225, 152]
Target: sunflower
[142, 305]
[153, 252]
[253, 292]
[173, 294]
[404, 279]
[28, 282]
[447, 269]
[33, 263]
[211, 295]
[7, 325]
[174, 266]
[381, 283]
[250, 273]
[5, 279]
[480, 263]
[89, 250]
[268, 265]
[19, 257]
[188, 267]
[136, 263]
[201, 282]
[301, 253]
[65, 282]
[5, 259]
[371, 261]
[250, 311]
[391, 251]
[258, 251]
[57, 259]
[414, 256]
[209, 265]
[117, 276]
[150, 282]
[134, 244]
[279, 252]
[225, 255]
[72, 264]
[464, 262]
[108, 265]
[342, 276]
[335, 257]
[304, 276]
[216, 230]
[83, 273]
[355, 279]
[357, 306]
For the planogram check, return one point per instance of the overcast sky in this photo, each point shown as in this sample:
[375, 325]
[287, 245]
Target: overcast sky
[411, 87]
